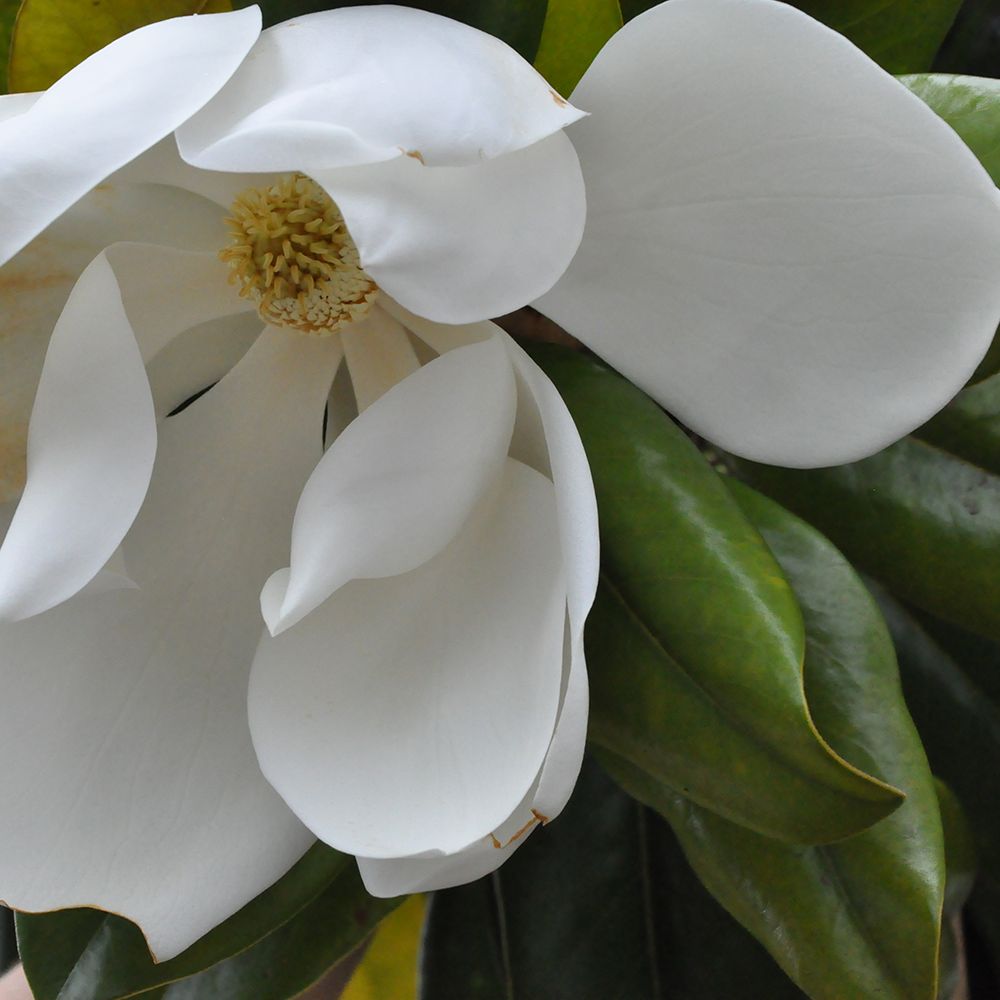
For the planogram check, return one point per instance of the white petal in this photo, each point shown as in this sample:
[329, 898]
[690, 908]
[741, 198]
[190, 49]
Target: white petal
[412, 714]
[137, 789]
[35, 284]
[167, 291]
[546, 438]
[387, 877]
[379, 355]
[365, 84]
[784, 246]
[456, 244]
[110, 108]
[91, 444]
[400, 481]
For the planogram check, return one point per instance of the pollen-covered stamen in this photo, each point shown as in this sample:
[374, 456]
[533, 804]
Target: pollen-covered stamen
[292, 255]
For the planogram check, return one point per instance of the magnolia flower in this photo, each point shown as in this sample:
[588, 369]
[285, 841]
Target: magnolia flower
[782, 245]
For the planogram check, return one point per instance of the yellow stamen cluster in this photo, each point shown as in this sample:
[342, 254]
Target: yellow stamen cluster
[291, 254]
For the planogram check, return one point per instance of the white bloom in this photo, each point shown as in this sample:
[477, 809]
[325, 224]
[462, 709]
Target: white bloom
[782, 244]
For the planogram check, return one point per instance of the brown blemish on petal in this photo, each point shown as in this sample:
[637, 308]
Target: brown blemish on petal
[561, 101]
[415, 154]
[536, 819]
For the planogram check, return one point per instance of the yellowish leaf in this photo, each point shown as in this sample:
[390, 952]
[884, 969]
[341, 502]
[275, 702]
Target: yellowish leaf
[573, 33]
[52, 36]
[389, 968]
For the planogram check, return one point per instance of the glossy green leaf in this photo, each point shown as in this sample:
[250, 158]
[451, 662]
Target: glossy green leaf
[89, 955]
[517, 22]
[958, 723]
[297, 954]
[573, 33]
[600, 904]
[695, 644]
[970, 105]
[923, 515]
[52, 36]
[859, 918]
[960, 866]
[901, 35]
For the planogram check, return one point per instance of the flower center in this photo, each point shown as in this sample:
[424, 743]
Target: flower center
[291, 254]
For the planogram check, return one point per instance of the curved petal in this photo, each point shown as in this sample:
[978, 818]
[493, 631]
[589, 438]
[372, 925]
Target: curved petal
[36, 283]
[546, 438]
[366, 84]
[137, 789]
[167, 291]
[110, 108]
[412, 713]
[386, 877]
[400, 481]
[91, 444]
[784, 246]
[457, 244]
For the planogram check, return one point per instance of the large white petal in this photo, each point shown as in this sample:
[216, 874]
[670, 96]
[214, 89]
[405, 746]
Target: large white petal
[91, 444]
[784, 246]
[465, 243]
[412, 713]
[397, 876]
[36, 283]
[107, 110]
[366, 84]
[136, 788]
[400, 481]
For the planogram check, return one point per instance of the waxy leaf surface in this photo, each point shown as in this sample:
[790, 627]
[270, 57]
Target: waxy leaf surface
[923, 515]
[695, 645]
[606, 886]
[860, 917]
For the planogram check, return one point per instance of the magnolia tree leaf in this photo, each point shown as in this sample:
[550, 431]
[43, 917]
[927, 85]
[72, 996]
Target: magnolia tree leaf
[923, 515]
[389, 967]
[51, 36]
[695, 645]
[971, 106]
[517, 22]
[960, 869]
[901, 35]
[859, 918]
[973, 45]
[8, 11]
[296, 955]
[598, 904]
[958, 723]
[90, 955]
[573, 33]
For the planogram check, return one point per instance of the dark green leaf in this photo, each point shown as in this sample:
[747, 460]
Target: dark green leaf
[901, 35]
[517, 22]
[297, 954]
[958, 723]
[600, 905]
[574, 32]
[860, 918]
[695, 645]
[973, 45]
[960, 864]
[917, 516]
[89, 955]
